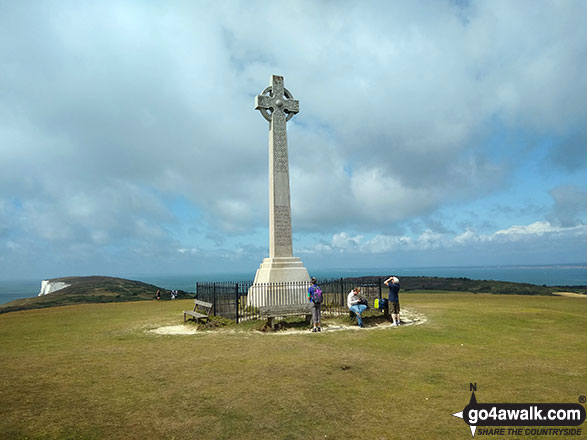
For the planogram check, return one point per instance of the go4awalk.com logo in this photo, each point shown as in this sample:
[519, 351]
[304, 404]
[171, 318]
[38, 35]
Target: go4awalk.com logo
[519, 419]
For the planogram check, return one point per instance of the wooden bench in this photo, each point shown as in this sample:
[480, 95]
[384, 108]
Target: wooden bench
[272, 312]
[201, 310]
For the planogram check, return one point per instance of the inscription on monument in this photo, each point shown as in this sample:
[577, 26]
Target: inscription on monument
[280, 159]
[282, 226]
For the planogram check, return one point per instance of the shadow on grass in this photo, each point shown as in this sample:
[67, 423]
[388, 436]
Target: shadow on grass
[371, 318]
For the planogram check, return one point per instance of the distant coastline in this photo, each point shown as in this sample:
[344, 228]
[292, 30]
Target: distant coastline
[550, 275]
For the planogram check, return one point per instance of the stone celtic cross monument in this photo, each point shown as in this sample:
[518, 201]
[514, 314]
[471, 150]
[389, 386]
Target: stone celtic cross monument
[277, 106]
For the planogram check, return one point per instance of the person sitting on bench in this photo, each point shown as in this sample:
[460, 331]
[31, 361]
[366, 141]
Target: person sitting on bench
[355, 305]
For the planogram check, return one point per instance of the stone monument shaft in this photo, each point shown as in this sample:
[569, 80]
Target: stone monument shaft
[281, 278]
[278, 106]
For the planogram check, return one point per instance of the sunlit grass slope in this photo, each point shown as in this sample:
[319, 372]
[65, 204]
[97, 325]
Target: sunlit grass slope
[95, 371]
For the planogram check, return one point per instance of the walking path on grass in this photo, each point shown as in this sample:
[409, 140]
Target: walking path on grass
[570, 294]
[409, 318]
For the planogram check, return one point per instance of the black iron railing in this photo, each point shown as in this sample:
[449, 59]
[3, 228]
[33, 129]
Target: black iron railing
[240, 301]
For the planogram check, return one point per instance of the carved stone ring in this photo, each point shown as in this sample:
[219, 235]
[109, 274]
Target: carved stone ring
[278, 103]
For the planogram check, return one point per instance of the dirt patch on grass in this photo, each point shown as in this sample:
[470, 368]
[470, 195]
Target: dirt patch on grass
[174, 330]
[409, 318]
[570, 294]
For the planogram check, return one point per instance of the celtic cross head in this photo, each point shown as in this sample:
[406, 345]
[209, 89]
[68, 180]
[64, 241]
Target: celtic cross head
[276, 99]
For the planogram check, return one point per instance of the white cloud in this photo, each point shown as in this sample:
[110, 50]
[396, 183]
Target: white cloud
[428, 240]
[346, 241]
[538, 229]
[385, 243]
[110, 110]
[534, 229]
[468, 237]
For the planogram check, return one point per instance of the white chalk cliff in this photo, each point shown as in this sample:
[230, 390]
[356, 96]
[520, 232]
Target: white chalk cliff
[48, 286]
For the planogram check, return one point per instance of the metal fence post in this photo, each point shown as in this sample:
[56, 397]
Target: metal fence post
[214, 297]
[379, 283]
[236, 301]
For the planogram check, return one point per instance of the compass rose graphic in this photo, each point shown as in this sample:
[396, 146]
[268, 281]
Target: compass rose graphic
[472, 402]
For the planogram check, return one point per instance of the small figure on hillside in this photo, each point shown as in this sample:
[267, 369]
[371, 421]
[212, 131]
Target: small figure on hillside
[158, 296]
[315, 297]
[173, 294]
[393, 283]
[356, 304]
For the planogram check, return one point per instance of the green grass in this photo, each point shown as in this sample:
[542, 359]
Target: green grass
[94, 371]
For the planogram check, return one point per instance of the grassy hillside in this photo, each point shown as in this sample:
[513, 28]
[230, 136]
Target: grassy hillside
[98, 289]
[483, 286]
[476, 286]
[95, 289]
[95, 371]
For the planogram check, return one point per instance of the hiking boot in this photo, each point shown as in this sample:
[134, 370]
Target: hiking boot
[319, 329]
[314, 330]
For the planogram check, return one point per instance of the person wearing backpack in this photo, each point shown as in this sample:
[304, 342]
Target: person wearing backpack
[315, 297]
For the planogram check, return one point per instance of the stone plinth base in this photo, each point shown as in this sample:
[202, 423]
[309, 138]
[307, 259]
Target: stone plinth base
[279, 280]
[281, 270]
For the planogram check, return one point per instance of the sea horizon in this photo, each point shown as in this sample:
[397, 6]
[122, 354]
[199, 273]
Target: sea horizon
[545, 274]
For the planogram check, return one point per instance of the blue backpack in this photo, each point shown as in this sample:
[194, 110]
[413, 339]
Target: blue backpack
[380, 303]
[316, 295]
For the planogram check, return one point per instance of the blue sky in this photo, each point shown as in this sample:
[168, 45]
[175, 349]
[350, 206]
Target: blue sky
[430, 133]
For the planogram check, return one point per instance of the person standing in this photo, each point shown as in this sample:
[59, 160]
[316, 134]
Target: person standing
[355, 306]
[393, 283]
[315, 297]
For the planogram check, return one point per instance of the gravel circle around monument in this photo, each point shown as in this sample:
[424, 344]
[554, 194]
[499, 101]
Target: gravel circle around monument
[409, 317]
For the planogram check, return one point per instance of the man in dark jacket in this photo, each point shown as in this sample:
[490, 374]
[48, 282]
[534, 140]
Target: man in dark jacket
[393, 283]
